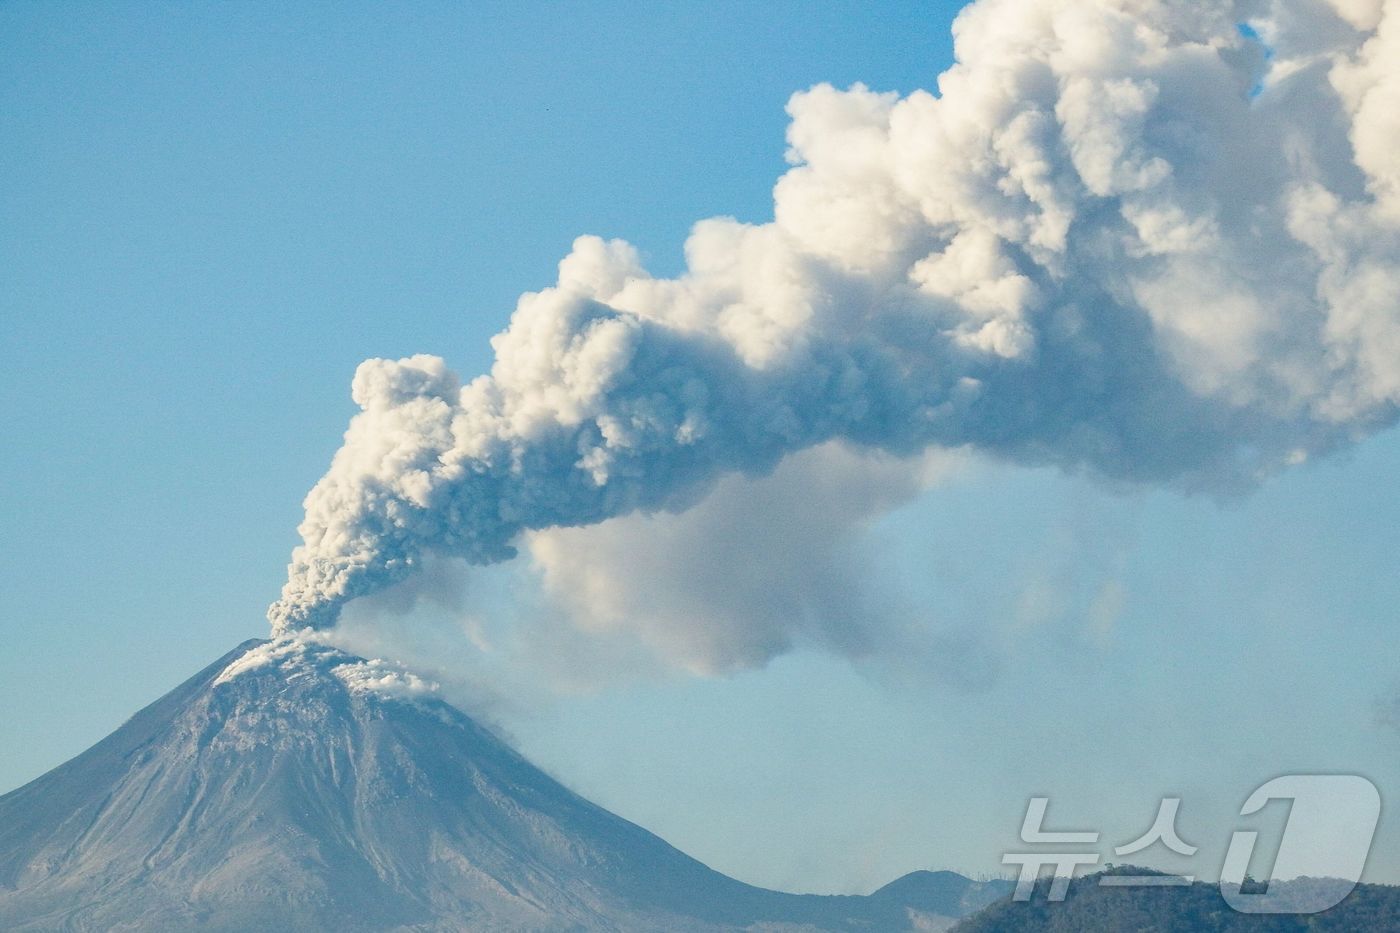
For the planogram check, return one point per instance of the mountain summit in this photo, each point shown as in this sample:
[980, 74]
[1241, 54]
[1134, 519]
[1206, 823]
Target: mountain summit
[294, 786]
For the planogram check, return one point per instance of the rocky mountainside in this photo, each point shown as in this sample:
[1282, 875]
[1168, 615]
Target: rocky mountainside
[293, 786]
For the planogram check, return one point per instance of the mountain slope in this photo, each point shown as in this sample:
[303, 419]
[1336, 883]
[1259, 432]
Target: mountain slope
[294, 786]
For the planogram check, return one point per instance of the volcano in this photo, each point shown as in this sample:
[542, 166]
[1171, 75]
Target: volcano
[291, 785]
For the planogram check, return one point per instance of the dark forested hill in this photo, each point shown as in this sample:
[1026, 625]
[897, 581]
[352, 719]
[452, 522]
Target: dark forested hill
[1090, 907]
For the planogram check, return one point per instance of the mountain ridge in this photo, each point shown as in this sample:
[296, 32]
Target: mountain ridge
[1089, 906]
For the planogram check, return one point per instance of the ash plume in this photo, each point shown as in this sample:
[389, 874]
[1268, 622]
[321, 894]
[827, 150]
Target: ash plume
[1154, 240]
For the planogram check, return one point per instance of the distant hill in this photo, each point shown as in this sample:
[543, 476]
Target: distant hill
[296, 787]
[1089, 907]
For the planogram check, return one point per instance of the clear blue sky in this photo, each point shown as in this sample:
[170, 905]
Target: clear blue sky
[209, 214]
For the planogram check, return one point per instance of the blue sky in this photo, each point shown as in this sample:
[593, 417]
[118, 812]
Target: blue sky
[211, 213]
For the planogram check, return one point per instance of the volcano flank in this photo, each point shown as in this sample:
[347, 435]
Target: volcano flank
[294, 786]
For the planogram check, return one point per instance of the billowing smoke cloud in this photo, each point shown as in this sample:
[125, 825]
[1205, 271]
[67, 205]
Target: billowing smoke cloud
[759, 567]
[1158, 240]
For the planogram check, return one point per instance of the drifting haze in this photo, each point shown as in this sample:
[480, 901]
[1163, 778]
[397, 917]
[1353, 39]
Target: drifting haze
[1127, 237]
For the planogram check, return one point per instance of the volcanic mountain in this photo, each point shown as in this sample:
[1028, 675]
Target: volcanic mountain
[290, 785]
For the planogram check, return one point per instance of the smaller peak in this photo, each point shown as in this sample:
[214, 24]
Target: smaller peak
[298, 657]
[924, 878]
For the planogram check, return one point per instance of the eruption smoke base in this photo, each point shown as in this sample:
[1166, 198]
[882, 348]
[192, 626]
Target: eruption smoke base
[1154, 239]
